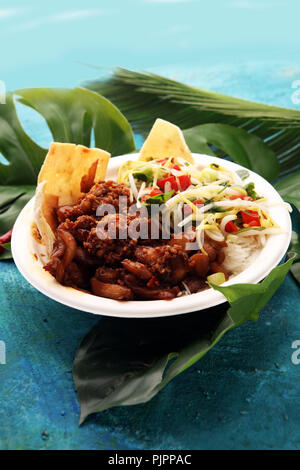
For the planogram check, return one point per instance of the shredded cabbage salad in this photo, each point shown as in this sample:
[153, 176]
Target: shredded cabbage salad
[213, 198]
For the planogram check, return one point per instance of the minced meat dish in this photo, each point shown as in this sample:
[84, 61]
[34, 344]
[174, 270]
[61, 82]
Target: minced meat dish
[125, 268]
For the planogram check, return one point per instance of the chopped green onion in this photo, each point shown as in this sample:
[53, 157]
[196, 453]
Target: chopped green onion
[249, 188]
[258, 227]
[209, 174]
[146, 176]
[217, 209]
[159, 198]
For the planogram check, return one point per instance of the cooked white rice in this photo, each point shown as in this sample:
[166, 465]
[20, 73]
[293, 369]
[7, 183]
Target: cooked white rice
[241, 253]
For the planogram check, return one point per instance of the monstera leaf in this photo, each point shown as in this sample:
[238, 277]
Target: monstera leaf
[24, 157]
[72, 116]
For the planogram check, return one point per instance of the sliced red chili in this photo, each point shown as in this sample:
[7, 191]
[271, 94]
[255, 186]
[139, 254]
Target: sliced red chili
[254, 224]
[173, 165]
[240, 196]
[188, 209]
[198, 202]
[170, 179]
[153, 192]
[163, 161]
[230, 227]
[250, 216]
[6, 237]
[184, 181]
[176, 167]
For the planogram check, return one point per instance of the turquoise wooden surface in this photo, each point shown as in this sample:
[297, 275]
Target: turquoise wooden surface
[243, 394]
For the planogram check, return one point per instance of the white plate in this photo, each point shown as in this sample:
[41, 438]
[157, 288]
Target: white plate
[28, 257]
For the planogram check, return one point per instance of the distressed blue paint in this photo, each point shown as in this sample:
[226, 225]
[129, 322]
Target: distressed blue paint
[245, 393]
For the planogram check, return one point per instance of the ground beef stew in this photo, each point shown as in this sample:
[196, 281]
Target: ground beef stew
[125, 268]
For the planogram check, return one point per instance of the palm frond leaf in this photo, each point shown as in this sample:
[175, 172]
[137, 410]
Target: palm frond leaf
[143, 97]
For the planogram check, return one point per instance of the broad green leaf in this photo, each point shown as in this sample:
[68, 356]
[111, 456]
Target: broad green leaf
[8, 194]
[143, 97]
[73, 114]
[11, 212]
[289, 189]
[245, 149]
[247, 300]
[295, 270]
[128, 361]
[24, 157]
[295, 247]
[197, 142]
[6, 254]
[122, 361]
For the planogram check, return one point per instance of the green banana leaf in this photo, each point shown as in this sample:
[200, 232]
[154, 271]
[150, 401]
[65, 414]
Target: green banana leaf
[143, 97]
[72, 116]
[289, 189]
[128, 361]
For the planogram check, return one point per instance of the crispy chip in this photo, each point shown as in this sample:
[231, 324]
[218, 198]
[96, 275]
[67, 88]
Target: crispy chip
[67, 169]
[43, 215]
[165, 140]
